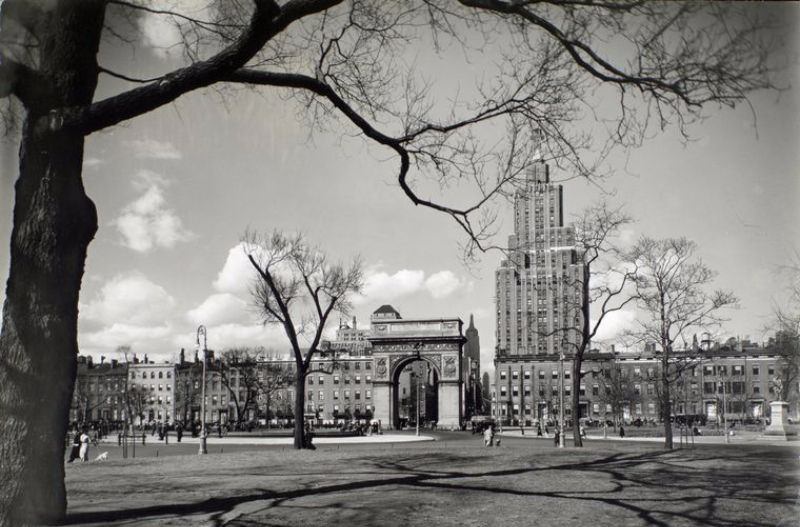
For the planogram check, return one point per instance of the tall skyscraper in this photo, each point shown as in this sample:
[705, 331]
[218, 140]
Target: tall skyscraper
[537, 292]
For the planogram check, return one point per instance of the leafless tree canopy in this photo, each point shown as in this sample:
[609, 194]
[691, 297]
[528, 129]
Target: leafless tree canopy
[672, 291]
[298, 288]
[548, 65]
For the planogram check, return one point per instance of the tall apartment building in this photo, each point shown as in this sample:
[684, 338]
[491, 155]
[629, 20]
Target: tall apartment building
[537, 292]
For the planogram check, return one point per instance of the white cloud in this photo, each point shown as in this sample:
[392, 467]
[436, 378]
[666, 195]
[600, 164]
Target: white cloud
[380, 286]
[153, 149]
[122, 334]
[225, 336]
[129, 300]
[442, 284]
[221, 308]
[90, 162]
[146, 222]
[159, 33]
[614, 324]
[236, 274]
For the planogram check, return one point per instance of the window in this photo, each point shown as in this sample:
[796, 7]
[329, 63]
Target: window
[152, 387]
[310, 395]
[503, 391]
[502, 375]
[368, 365]
[756, 370]
[771, 369]
[555, 374]
[335, 395]
[358, 366]
[321, 380]
[651, 408]
[321, 395]
[368, 378]
[527, 391]
[527, 375]
[595, 389]
[169, 375]
[347, 394]
[160, 387]
[152, 375]
[515, 391]
[358, 379]
[161, 375]
[708, 370]
[541, 374]
[582, 390]
[310, 380]
[756, 388]
[335, 379]
[358, 395]
[347, 379]
[515, 375]
[368, 394]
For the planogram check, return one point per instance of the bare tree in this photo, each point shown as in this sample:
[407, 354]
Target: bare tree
[671, 287]
[187, 389]
[273, 379]
[298, 288]
[239, 374]
[617, 390]
[338, 58]
[786, 338]
[603, 286]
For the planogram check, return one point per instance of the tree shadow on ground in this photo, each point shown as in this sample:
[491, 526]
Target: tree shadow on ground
[657, 488]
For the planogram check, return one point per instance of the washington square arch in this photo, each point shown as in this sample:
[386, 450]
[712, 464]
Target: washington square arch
[397, 342]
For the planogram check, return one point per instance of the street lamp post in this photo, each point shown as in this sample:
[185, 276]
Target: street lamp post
[201, 330]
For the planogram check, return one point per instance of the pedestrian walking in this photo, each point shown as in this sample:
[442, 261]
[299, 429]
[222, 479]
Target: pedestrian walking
[75, 451]
[582, 431]
[538, 430]
[84, 451]
[179, 431]
[556, 436]
[488, 436]
[621, 431]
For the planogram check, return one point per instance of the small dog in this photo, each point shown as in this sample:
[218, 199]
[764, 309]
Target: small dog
[102, 457]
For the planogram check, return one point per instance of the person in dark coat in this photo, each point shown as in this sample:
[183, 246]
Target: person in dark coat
[74, 452]
[621, 431]
[179, 431]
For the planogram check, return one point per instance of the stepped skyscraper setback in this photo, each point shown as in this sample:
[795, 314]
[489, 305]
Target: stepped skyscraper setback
[537, 292]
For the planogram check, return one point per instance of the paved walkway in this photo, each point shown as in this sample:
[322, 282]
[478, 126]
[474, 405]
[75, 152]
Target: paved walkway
[256, 440]
[738, 439]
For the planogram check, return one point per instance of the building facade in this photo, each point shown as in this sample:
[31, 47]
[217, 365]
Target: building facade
[99, 392]
[625, 387]
[151, 391]
[537, 294]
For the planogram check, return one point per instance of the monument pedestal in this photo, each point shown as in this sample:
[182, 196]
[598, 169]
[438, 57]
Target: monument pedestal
[779, 427]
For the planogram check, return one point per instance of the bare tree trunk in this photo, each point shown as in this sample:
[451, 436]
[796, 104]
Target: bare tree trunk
[54, 221]
[576, 401]
[299, 409]
[666, 402]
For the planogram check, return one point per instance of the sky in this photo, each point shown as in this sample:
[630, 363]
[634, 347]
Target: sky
[176, 189]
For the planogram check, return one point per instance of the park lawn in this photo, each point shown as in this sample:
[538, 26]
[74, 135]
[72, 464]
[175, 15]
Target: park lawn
[522, 483]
